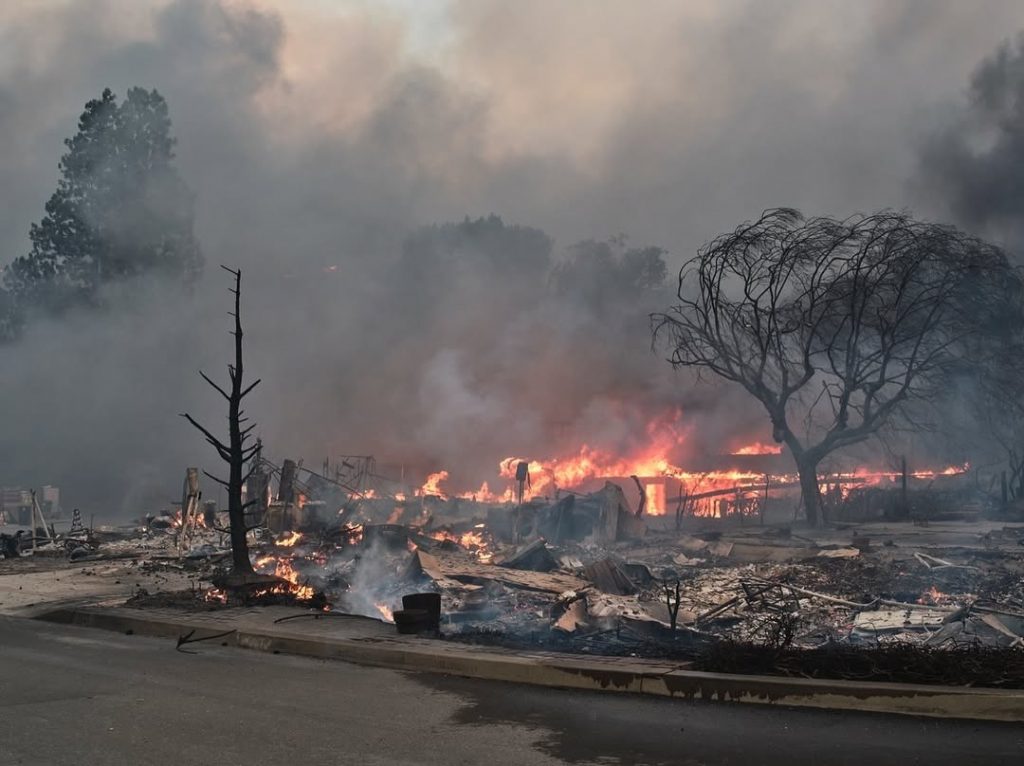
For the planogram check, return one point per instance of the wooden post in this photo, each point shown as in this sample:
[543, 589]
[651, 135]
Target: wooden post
[905, 506]
[764, 502]
[38, 511]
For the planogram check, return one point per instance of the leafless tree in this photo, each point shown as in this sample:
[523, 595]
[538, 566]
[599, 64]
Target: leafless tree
[235, 453]
[843, 325]
[992, 389]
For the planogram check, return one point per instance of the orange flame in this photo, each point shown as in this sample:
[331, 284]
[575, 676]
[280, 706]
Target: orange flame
[474, 541]
[758, 448]
[282, 567]
[432, 486]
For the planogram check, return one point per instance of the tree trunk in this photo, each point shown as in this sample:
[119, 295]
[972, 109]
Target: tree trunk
[236, 511]
[809, 491]
[235, 453]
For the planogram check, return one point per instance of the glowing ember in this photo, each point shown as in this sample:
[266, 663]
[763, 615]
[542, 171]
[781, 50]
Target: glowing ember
[215, 596]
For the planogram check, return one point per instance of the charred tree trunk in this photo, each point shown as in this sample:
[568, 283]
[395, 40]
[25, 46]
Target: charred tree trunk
[235, 453]
[809, 489]
[236, 512]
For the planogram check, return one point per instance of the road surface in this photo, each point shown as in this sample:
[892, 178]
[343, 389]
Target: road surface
[90, 698]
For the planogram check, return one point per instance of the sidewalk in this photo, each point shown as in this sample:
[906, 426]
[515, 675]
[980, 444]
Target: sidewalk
[370, 642]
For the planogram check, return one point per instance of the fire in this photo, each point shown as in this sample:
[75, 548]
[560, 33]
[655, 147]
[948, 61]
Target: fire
[658, 475]
[199, 519]
[934, 596]
[385, 612]
[548, 476]
[289, 540]
[474, 541]
[432, 486]
[758, 448]
[282, 568]
[353, 533]
[656, 464]
[215, 596]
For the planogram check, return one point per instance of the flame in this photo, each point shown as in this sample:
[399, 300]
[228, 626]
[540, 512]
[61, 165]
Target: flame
[758, 448]
[385, 612]
[177, 519]
[215, 596]
[281, 566]
[934, 596]
[432, 486]
[353, 533]
[475, 541]
[663, 480]
[566, 473]
[289, 540]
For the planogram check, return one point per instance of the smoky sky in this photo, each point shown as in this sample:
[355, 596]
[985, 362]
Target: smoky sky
[972, 165]
[328, 144]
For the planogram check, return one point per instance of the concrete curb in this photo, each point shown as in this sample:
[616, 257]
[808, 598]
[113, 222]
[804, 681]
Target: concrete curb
[598, 674]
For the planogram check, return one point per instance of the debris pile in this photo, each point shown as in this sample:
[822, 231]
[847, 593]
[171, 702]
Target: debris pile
[589, 573]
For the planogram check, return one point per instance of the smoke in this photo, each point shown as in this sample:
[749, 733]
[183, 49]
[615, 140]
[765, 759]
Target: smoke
[373, 578]
[971, 166]
[324, 141]
[969, 169]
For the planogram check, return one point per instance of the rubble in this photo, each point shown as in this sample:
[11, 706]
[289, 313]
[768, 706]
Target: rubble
[585, 574]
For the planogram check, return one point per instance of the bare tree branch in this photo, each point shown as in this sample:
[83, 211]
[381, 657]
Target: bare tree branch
[875, 308]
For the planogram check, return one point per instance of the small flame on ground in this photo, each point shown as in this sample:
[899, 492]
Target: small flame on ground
[289, 540]
[933, 596]
[215, 596]
[385, 612]
[281, 566]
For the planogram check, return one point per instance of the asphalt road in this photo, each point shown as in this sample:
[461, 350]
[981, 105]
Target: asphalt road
[90, 698]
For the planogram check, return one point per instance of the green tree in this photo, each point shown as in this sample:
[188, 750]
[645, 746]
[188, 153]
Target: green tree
[120, 209]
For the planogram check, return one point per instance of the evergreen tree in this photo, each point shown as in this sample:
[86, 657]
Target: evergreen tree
[120, 209]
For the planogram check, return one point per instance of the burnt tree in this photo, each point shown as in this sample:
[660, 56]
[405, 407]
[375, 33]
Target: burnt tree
[837, 327]
[235, 453]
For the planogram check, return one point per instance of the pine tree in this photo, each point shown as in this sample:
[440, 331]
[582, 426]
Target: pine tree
[120, 209]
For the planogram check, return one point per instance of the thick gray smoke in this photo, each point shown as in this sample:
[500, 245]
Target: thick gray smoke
[972, 166]
[970, 170]
[324, 141]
